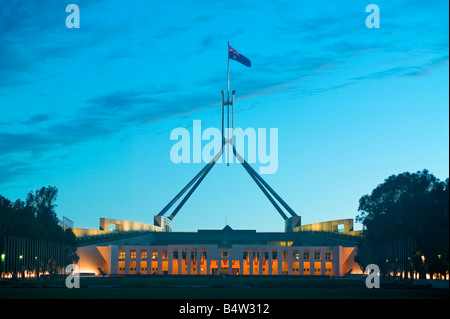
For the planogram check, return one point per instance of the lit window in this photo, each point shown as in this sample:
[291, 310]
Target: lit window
[245, 255]
[274, 255]
[122, 254]
[255, 254]
[154, 254]
[143, 254]
[132, 253]
[317, 255]
[295, 254]
[306, 254]
[328, 255]
[224, 253]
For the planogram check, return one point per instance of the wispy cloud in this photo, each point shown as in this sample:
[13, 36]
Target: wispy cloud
[409, 70]
[304, 47]
[102, 116]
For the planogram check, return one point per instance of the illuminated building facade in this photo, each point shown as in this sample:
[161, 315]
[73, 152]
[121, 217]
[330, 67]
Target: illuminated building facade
[225, 251]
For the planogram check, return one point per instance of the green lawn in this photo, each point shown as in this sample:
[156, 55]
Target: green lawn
[213, 287]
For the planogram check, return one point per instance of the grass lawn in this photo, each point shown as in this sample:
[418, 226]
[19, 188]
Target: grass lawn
[215, 287]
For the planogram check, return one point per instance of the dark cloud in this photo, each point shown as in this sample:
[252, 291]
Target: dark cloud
[102, 117]
[409, 70]
[431, 65]
[24, 142]
[10, 172]
[33, 32]
[39, 118]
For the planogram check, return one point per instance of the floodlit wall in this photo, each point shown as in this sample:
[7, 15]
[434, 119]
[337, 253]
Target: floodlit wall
[120, 226]
[341, 226]
[91, 259]
[214, 260]
[125, 225]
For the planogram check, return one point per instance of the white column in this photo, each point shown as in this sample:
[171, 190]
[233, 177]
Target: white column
[127, 261]
[113, 265]
[322, 262]
[260, 261]
[208, 265]
[180, 260]
[138, 261]
[289, 261]
[159, 259]
[219, 263]
[250, 260]
[280, 261]
[301, 260]
[170, 260]
[149, 261]
[198, 260]
[335, 261]
[188, 260]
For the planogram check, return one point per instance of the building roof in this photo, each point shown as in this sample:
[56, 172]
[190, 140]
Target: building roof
[227, 237]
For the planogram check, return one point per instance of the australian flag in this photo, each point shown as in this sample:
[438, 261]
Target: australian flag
[234, 55]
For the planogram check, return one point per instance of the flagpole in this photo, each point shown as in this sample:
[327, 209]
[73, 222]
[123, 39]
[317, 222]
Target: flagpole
[228, 103]
[228, 55]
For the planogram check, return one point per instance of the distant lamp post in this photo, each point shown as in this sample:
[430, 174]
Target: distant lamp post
[427, 276]
[36, 273]
[3, 264]
[21, 266]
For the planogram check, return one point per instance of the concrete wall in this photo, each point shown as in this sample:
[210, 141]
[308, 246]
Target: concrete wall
[125, 225]
[121, 226]
[91, 259]
[85, 232]
[331, 226]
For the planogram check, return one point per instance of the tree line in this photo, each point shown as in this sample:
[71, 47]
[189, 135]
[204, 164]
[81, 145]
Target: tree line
[408, 205]
[35, 218]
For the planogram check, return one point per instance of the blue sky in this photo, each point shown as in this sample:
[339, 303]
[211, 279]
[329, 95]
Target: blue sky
[90, 110]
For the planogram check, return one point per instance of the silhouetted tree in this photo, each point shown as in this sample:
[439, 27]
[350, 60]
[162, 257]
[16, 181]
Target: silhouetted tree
[36, 218]
[409, 204]
[42, 203]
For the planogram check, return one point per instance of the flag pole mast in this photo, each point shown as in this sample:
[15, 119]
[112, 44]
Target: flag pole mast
[228, 55]
[228, 103]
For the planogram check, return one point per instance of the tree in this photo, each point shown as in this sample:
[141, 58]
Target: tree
[409, 204]
[36, 219]
[42, 203]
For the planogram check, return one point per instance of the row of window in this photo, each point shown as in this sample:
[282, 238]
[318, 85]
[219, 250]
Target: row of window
[235, 268]
[225, 254]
